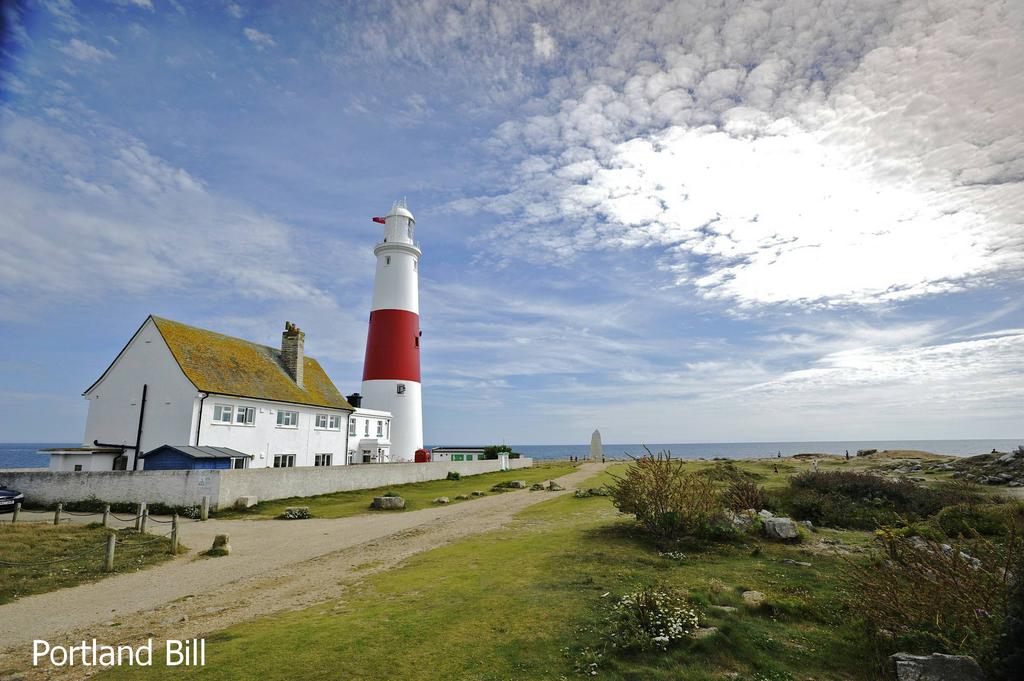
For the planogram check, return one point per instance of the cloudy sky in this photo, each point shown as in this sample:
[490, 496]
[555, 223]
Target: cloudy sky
[706, 220]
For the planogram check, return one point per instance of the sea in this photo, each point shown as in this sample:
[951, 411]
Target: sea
[28, 454]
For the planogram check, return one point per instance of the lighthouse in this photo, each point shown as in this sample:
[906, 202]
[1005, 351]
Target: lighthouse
[391, 370]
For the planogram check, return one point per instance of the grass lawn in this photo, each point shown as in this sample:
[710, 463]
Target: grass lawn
[524, 602]
[416, 494]
[41, 542]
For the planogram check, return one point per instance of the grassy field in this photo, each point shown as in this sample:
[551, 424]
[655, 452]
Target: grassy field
[527, 601]
[79, 550]
[416, 495]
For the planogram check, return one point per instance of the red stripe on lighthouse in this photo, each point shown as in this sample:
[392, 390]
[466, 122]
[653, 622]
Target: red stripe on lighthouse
[392, 346]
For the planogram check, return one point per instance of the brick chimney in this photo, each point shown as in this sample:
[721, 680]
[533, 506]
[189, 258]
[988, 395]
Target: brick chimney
[293, 354]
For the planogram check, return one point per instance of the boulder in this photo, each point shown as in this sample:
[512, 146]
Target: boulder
[517, 484]
[780, 528]
[246, 502]
[765, 514]
[477, 493]
[221, 546]
[388, 503]
[807, 524]
[554, 486]
[442, 500]
[936, 667]
[1007, 458]
[536, 487]
[753, 598]
[742, 521]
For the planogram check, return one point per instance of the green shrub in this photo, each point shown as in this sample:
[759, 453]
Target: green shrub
[743, 494]
[669, 503]
[932, 597]
[865, 501]
[452, 475]
[964, 520]
[649, 619]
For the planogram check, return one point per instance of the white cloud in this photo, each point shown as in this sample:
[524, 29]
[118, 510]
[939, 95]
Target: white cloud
[235, 10]
[83, 51]
[258, 38]
[544, 46]
[141, 4]
[873, 154]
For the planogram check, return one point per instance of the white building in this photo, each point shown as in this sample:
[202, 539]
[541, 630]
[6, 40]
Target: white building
[179, 385]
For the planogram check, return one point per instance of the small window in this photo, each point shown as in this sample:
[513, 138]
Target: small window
[245, 416]
[401, 388]
[417, 341]
[284, 461]
[352, 425]
[321, 420]
[366, 428]
[415, 265]
[322, 460]
[287, 419]
[387, 259]
[78, 467]
[238, 462]
[334, 422]
[222, 413]
[380, 429]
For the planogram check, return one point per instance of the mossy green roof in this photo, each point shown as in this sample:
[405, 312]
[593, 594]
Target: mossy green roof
[225, 365]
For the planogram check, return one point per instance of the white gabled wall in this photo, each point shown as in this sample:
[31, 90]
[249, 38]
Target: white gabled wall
[115, 401]
[265, 438]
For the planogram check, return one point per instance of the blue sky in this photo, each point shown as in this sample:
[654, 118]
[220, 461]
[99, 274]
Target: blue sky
[688, 221]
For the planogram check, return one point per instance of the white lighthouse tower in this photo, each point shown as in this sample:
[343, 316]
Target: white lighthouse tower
[391, 371]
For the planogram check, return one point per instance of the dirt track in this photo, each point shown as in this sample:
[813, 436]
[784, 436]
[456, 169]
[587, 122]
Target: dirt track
[274, 566]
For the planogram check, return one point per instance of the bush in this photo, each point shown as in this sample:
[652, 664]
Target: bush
[966, 520]
[743, 494]
[452, 475]
[865, 501]
[931, 597]
[648, 619]
[296, 513]
[669, 503]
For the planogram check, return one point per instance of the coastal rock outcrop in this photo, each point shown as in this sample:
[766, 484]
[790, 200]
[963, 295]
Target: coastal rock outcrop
[936, 667]
[780, 528]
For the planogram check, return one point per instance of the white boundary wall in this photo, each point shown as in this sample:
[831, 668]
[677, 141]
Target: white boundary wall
[224, 487]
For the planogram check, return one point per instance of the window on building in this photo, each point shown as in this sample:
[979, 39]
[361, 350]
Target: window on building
[245, 416]
[334, 422]
[380, 429]
[352, 425]
[78, 467]
[222, 413]
[238, 462]
[387, 259]
[322, 460]
[401, 388]
[415, 265]
[287, 419]
[284, 461]
[321, 420]
[366, 428]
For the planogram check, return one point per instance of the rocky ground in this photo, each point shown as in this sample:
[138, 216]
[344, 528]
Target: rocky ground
[998, 468]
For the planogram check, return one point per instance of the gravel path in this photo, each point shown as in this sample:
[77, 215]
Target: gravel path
[274, 566]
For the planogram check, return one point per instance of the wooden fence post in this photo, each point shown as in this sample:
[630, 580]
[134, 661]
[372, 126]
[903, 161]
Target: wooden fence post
[108, 559]
[138, 516]
[106, 515]
[17, 512]
[174, 534]
[143, 519]
[204, 511]
[56, 514]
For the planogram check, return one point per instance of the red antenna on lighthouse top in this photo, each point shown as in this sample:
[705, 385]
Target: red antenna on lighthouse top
[380, 220]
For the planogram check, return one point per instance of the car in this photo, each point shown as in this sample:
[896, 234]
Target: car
[8, 498]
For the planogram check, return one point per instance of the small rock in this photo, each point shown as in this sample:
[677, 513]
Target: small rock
[780, 528]
[704, 632]
[517, 484]
[807, 524]
[221, 546]
[724, 608]
[832, 540]
[477, 493]
[442, 500]
[765, 514]
[753, 598]
[790, 561]
[462, 497]
[388, 503]
[1007, 458]
[554, 486]
[742, 521]
[536, 487]
[936, 667]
